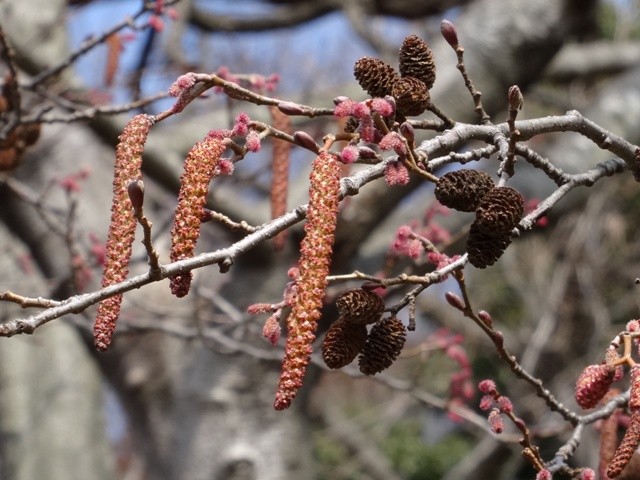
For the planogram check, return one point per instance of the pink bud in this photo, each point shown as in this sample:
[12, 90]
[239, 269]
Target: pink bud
[454, 300]
[271, 330]
[588, 474]
[515, 98]
[290, 108]
[306, 141]
[495, 421]
[366, 152]
[544, 474]
[340, 99]
[406, 129]
[448, 31]
[485, 317]
[488, 387]
[135, 189]
[505, 405]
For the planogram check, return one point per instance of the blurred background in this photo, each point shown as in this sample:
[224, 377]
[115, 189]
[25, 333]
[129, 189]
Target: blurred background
[187, 390]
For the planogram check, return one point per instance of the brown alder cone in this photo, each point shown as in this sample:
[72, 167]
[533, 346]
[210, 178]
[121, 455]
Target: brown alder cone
[484, 249]
[315, 258]
[500, 210]
[13, 147]
[375, 76]
[384, 344]
[627, 447]
[360, 306]
[342, 342]
[463, 189]
[416, 60]
[412, 96]
[280, 172]
[121, 234]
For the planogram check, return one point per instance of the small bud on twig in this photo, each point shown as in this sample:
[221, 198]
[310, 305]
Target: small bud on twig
[454, 300]
[290, 108]
[406, 129]
[485, 317]
[306, 141]
[516, 99]
[448, 31]
[135, 189]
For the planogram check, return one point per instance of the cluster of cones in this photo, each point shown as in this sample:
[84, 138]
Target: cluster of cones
[410, 88]
[498, 211]
[348, 336]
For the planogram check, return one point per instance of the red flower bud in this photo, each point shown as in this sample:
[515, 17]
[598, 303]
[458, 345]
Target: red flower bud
[448, 31]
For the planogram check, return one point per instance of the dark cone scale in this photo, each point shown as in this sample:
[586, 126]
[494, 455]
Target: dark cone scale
[360, 306]
[342, 343]
[375, 76]
[463, 189]
[485, 249]
[383, 345]
[412, 96]
[416, 60]
[500, 210]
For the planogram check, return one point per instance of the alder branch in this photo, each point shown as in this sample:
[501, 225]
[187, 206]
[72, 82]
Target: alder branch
[449, 141]
[83, 114]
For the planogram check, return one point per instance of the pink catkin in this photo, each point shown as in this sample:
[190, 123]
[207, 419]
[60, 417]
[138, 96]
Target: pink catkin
[315, 259]
[122, 227]
[280, 172]
[199, 168]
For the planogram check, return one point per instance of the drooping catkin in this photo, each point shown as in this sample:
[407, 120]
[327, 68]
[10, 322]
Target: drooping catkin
[315, 259]
[627, 447]
[280, 172]
[123, 224]
[199, 168]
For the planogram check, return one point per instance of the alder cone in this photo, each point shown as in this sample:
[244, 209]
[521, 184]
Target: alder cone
[416, 60]
[412, 96]
[375, 76]
[342, 343]
[383, 345]
[500, 210]
[463, 189]
[360, 306]
[484, 249]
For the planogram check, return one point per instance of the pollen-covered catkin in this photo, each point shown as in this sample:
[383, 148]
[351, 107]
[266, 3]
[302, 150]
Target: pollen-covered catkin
[315, 259]
[199, 168]
[123, 224]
